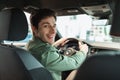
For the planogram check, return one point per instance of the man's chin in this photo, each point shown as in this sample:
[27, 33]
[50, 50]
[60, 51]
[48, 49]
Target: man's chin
[51, 42]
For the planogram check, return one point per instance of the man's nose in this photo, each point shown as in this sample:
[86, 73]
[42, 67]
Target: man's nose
[52, 29]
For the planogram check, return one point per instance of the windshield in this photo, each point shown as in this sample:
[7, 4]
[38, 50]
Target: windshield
[84, 27]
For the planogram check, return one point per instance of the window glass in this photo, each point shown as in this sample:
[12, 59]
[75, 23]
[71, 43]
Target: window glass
[84, 27]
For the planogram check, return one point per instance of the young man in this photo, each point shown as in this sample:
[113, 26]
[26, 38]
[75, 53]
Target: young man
[43, 23]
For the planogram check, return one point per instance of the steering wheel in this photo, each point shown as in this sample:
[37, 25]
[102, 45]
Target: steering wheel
[70, 47]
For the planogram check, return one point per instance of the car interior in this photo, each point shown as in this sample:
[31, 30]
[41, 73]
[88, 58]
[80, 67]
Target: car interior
[16, 63]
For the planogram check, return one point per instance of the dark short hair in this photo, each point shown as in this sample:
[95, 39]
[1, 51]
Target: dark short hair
[40, 14]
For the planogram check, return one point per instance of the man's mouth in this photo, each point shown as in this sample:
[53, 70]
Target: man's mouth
[51, 36]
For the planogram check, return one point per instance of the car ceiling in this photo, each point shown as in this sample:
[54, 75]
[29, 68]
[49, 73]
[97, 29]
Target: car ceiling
[62, 7]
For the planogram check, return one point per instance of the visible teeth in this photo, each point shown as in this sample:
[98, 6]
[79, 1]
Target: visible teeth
[51, 36]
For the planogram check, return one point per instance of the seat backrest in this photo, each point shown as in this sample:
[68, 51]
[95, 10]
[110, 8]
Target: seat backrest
[105, 66]
[17, 63]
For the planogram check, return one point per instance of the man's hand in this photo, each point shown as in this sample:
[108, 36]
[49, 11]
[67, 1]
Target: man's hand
[83, 47]
[60, 42]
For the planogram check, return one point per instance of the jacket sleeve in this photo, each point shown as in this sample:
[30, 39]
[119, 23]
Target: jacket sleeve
[55, 61]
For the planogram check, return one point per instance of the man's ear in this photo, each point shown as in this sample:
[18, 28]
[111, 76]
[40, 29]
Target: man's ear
[34, 30]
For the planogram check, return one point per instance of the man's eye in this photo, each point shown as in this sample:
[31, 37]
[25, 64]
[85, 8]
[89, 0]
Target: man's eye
[54, 26]
[46, 26]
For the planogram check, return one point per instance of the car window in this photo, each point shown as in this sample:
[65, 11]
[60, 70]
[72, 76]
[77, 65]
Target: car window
[84, 27]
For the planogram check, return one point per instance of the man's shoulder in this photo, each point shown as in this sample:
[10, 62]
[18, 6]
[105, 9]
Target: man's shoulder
[39, 45]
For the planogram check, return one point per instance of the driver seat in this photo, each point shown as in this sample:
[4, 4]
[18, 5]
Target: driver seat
[17, 63]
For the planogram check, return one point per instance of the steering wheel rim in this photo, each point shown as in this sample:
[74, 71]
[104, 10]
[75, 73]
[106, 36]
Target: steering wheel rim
[70, 47]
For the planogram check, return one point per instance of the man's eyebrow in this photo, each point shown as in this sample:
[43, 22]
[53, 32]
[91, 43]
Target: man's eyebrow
[45, 23]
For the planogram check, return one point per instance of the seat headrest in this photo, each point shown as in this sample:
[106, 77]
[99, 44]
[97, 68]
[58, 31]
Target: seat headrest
[13, 25]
